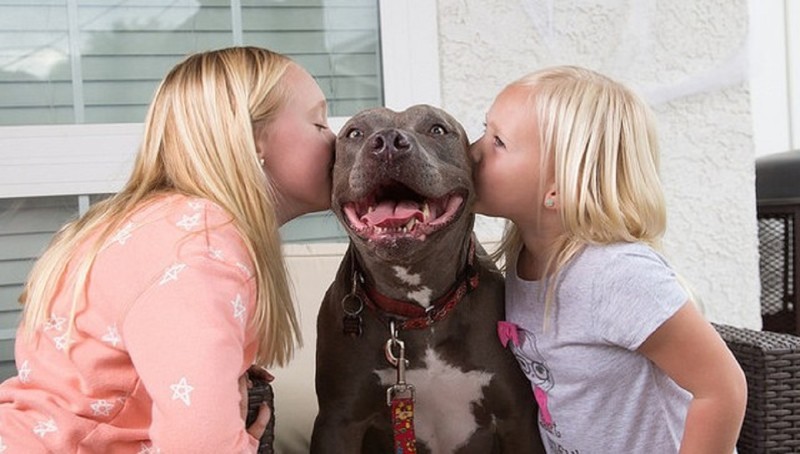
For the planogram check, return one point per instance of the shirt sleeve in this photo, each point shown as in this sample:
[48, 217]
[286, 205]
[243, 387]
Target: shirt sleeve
[186, 336]
[636, 293]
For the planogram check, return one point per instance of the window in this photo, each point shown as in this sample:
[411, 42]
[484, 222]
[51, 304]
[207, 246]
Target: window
[76, 76]
[775, 75]
[99, 61]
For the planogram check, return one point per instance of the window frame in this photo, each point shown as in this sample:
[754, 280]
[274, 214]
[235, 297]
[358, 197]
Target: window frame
[86, 159]
[774, 75]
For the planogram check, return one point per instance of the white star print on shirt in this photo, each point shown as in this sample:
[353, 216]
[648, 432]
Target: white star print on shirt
[149, 449]
[238, 308]
[244, 268]
[3, 446]
[55, 322]
[171, 274]
[195, 205]
[24, 372]
[181, 391]
[101, 407]
[123, 234]
[63, 342]
[215, 254]
[111, 336]
[44, 427]
[189, 222]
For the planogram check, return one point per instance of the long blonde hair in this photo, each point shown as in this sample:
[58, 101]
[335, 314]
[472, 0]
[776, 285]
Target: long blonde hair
[599, 140]
[199, 141]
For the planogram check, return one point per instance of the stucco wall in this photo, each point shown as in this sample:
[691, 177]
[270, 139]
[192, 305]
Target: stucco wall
[689, 61]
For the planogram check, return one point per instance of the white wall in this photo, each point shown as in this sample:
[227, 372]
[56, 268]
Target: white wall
[689, 60]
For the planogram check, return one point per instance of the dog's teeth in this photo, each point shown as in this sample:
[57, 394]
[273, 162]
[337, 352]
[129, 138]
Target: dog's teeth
[370, 209]
[410, 225]
[426, 212]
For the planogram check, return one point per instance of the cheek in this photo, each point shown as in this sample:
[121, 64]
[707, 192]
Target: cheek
[475, 151]
[323, 154]
[492, 167]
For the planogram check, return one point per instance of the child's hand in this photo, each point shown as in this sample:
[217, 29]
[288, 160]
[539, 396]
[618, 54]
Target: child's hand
[257, 427]
[256, 430]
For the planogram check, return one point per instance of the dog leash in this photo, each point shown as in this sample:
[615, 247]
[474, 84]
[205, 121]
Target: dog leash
[400, 397]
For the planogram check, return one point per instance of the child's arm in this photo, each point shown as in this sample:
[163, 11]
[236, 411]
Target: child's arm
[688, 349]
[186, 337]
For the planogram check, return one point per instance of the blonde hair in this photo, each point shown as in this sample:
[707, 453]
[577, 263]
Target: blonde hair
[199, 141]
[598, 139]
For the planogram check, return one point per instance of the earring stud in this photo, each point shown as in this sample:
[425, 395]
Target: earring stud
[261, 162]
[549, 203]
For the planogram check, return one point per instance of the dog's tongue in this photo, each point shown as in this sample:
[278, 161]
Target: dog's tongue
[390, 213]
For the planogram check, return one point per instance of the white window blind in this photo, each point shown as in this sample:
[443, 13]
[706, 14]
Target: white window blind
[99, 61]
[26, 227]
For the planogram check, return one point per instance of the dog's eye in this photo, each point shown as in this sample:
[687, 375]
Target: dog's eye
[354, 133]
[438, 130]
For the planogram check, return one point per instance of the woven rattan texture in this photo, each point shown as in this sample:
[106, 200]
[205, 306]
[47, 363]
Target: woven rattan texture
[771, 362]
[775, 247]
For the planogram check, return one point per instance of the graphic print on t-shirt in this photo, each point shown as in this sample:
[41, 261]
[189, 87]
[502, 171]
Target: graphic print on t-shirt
[523, 345]
[532, 363]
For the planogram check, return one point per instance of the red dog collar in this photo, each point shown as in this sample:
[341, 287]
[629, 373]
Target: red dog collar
[410, 315]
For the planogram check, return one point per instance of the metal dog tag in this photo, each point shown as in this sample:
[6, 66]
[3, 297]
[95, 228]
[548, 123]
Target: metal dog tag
[352, 323]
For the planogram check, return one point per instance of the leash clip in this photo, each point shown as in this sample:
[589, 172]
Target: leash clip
[400, 388]
[400, 397]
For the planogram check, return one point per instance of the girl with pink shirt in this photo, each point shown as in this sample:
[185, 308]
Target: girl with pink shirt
[142, 317]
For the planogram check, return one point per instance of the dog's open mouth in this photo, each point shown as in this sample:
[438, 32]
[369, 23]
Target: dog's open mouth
[394, 210]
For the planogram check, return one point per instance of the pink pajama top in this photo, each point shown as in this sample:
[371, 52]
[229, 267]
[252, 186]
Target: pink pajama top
[152, 362]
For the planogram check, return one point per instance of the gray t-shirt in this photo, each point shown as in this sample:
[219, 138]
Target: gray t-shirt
[596, 393]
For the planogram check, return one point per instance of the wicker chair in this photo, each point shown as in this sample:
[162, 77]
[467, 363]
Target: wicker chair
[771, 362]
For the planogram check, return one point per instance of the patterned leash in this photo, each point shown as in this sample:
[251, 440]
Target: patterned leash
[400, 397]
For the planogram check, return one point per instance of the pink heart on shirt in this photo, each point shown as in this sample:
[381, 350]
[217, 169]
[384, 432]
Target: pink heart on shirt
[507, 331]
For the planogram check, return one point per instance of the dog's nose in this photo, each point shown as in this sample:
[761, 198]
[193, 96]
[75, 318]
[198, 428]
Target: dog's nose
[390, 143]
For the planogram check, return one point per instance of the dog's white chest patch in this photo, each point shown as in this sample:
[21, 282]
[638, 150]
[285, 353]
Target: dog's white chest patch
[422, 295]
[443, 416]
[405, 276]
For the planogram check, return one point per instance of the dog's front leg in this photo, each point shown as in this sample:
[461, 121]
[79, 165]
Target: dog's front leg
[335, 432]
[348, 411]
[348, 392]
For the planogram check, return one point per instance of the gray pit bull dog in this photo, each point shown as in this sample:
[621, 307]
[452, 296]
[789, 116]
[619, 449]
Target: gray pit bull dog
[402, 188]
